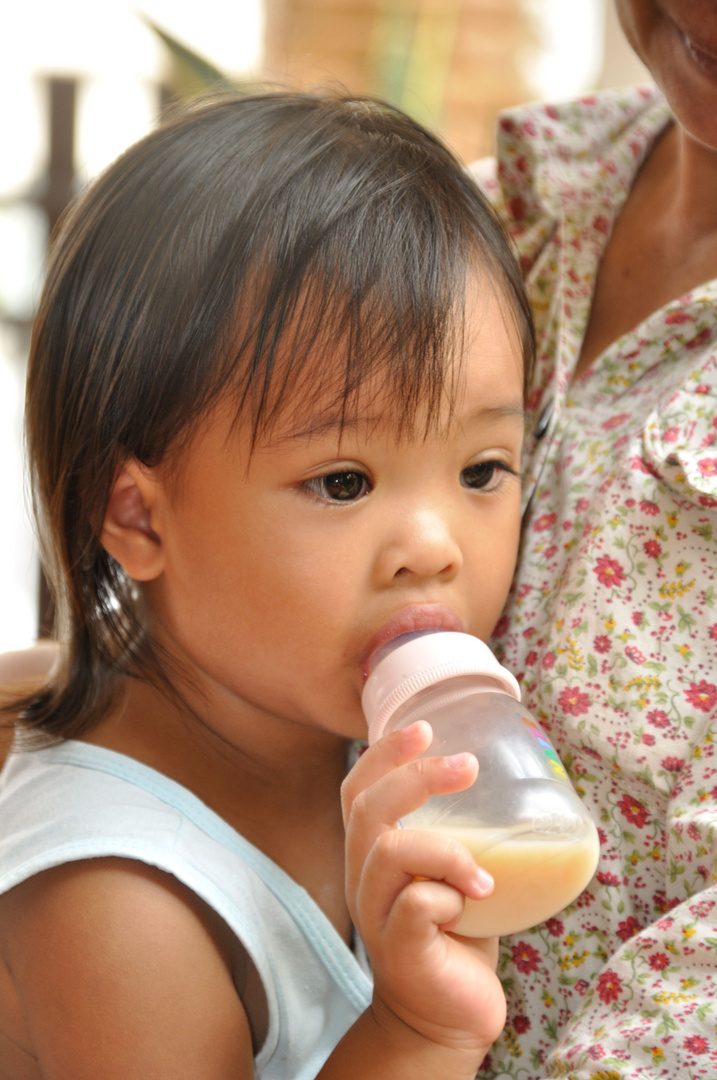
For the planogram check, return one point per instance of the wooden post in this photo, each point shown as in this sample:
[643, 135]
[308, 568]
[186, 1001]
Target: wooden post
[59, 187]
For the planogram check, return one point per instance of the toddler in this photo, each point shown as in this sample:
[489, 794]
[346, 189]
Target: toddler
[274, 419]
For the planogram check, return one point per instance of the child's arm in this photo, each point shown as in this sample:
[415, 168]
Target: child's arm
[122, 975]
[438, 1004]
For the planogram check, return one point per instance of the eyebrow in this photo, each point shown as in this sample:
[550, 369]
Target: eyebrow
[328, 425]
[336, 423]
[498, 412]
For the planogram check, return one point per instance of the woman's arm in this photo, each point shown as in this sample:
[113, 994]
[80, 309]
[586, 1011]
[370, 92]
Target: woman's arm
[21, 672]
[31, 665]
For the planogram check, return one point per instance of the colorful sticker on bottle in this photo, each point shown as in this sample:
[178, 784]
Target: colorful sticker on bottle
[556, 765]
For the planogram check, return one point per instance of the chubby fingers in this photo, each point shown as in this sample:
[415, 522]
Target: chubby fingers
[390, 781]
[405, 878]
[407, 788]
[387, 754]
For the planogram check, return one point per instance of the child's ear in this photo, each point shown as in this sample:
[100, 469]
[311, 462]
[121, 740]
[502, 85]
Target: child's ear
[127, 533]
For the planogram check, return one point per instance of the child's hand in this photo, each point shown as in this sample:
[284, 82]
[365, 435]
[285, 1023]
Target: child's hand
[442, 986]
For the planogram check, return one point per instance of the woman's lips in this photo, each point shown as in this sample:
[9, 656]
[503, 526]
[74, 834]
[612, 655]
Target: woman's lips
[410, 619]
[704, 56]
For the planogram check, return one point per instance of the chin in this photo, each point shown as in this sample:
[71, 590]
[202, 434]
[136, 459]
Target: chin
[697, 115]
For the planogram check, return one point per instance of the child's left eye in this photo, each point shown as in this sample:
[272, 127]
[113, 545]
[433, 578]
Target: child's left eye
[486, 475]
[340, 486]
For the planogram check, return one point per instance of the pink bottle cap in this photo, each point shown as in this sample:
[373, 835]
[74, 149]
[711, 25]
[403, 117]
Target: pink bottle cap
[415, 661]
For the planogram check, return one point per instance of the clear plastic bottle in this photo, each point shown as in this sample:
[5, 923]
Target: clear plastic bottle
[522, 819]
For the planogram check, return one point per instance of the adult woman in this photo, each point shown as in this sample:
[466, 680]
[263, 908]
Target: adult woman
[612, 623]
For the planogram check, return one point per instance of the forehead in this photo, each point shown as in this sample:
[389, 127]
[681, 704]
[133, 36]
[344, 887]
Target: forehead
[481, 395]
[478, 372]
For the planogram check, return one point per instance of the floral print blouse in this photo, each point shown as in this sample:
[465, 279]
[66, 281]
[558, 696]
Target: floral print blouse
[612, 622]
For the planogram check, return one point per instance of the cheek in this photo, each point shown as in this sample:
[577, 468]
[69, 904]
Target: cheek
[255, 577]
[493, 567]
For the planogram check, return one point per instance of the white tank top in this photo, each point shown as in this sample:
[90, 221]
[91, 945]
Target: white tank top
[77, 801]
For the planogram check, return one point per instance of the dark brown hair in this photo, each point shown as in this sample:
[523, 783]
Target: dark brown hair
[180, 276]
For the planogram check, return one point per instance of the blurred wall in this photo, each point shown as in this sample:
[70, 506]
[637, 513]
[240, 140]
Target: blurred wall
[450, 63]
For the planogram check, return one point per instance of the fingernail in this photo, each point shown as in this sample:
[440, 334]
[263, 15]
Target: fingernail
[458, 761]
[484, 880]
[412, 729]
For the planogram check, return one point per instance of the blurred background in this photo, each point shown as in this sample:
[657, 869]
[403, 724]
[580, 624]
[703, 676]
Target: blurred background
[81, 79]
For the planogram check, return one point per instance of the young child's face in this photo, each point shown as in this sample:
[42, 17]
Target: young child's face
[286, 567]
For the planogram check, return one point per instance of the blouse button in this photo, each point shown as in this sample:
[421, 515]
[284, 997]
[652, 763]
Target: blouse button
[544, 420]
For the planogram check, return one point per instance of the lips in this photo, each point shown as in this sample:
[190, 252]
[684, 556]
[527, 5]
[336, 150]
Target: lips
[703, 53]
[408, 620]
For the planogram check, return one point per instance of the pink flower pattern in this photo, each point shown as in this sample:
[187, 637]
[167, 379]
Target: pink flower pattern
[611, 626]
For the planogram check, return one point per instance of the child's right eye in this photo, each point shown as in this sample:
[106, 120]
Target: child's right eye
[339, 486]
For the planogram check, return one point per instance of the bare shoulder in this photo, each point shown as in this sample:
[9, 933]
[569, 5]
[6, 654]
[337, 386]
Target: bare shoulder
[121, 972]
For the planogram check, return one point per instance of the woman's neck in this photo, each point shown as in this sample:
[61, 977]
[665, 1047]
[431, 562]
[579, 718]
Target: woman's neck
[663, 244]
[679, 183]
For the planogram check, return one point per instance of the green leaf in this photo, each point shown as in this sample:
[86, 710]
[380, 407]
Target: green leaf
[675, 869]
[666, 1024]
[572, 598]
[192, 73]
[705, 531]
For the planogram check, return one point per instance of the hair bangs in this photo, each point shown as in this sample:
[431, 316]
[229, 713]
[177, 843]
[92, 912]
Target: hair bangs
[369, 292]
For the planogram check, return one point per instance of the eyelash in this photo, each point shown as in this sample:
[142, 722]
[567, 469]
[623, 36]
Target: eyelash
[318, 482]
[319, 485]
[495, 466]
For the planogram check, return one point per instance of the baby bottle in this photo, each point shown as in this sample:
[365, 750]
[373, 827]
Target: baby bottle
[521, 819]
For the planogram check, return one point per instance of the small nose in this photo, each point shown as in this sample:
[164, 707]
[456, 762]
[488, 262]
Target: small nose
[422, 545]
